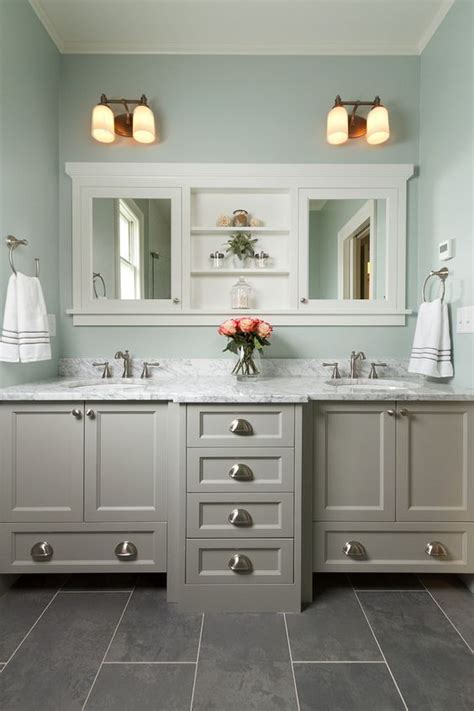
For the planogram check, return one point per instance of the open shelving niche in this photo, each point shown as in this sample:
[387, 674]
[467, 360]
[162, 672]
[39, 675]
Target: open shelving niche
[273, 287]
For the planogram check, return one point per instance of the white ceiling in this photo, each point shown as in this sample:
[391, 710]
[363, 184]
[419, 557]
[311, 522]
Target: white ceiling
[341, 27]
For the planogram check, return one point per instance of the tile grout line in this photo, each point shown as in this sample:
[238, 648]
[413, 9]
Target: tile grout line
[108, 647]
[349, 661]
[107, 663]
[446, 615]
[378, 644]
[197, 663]
[35, 623]
[291, 663]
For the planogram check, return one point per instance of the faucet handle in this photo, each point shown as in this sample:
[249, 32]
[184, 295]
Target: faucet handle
[335, 375]
[106, 373]
[373, 370]
[146, 368]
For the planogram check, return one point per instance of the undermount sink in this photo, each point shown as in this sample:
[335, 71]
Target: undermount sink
[107, 384]
[375, 384]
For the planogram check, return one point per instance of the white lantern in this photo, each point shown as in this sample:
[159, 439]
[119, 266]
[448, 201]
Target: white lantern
[378, 130]
[103, 124]
[143, 124]
[337, 125]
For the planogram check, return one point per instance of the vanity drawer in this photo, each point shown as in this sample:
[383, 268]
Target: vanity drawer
[397, 547]
[82, 547]
[226, 470]
[244, 426]
[256, 515]
[270, 561]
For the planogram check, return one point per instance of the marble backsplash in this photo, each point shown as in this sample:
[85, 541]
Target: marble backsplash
[209, 367]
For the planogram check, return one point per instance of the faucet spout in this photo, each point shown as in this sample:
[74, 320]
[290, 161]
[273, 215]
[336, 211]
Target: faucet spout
[127, 363]
[355, 357]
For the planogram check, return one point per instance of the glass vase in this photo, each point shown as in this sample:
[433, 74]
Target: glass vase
[248, 363]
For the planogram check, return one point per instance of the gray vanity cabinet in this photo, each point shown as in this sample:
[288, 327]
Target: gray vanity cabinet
[435, 461]
[41, 459]
[125, 475]
[354, 461]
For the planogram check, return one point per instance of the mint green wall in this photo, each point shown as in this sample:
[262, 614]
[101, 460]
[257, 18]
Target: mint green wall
[29, 85]
[446, 166]
[282, 106]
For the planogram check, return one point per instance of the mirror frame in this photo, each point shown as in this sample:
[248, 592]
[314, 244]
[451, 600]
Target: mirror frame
[176, 181]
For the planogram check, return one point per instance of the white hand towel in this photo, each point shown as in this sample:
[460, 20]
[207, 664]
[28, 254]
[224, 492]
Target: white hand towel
[431, 352]
[25, 335]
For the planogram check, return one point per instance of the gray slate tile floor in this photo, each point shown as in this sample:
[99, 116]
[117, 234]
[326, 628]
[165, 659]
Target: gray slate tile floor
[112, 643]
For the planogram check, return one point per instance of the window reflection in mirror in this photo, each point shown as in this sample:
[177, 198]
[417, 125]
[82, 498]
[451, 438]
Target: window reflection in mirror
[347, 249]
[131, 248]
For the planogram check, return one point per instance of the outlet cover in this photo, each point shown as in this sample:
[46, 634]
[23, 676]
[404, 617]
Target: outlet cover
[465, 319]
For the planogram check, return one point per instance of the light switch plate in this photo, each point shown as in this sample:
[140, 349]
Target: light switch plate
[465, 319]
[52, 324]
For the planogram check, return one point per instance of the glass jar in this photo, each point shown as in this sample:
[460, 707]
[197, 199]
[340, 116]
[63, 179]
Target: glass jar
[241, 218]
[217, 259]
[241, 294]
[261, 260]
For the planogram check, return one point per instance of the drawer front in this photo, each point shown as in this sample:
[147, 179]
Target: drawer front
[217, 469]
[401, 548]
[208, 561]
[249, 516]
[245, 426]
[81, 547]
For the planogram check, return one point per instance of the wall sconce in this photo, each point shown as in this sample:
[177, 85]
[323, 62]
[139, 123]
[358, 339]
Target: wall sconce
[341, 126]
[140, 125]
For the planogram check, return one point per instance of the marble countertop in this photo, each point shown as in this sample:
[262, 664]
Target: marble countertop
[225, 388]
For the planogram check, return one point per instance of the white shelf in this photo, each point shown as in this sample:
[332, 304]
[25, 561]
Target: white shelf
[239, 272]
[229, 230]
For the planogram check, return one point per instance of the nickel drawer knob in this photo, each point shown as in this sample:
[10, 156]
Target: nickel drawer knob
[240, 563]
[391, 412]
[241, 472]
[354, 549]
[76, 413]
[404, 412]
[240, 518]
[90, 413]
[241, 427]
[42, 552]
[436, 549]
[126, 550]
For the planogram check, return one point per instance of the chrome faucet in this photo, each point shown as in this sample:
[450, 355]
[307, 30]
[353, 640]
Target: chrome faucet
[146, 368]
[127, 363]
[354, 371]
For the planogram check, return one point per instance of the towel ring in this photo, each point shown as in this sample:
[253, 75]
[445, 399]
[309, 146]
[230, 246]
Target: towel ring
[443, 275]
[12, 244]
[97, 276]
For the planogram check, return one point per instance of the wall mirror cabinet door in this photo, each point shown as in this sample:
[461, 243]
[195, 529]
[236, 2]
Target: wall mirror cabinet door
[155, 243]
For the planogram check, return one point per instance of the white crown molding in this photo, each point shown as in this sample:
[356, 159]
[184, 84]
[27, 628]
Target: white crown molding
[328, 49]
[47, 24]
[434, 24]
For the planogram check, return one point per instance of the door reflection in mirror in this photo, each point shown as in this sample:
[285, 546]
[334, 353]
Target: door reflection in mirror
[347, 249]
[132, 247]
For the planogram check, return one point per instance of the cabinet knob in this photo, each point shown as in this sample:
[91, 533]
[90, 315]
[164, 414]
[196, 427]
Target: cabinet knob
[42, 551]
[90, 413]
[390, 412]
[304, 300]
[354, 549]
[436, 549]
[241, 427]
[404, 412]
[240, 518]
[240, 563]
[126, 550]
[241, 472]
[76, 413]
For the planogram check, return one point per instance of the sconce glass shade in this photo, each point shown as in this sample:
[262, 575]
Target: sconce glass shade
[143, 124]
[337, 126]
[103, 124]
[378, 130]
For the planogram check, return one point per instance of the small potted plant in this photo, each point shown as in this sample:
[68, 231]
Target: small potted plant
[241, 246]
[247, 336]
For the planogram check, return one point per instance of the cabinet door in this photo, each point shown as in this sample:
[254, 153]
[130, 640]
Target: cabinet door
[435, 462]
[41, 462]
[354, 461]
[125, 462]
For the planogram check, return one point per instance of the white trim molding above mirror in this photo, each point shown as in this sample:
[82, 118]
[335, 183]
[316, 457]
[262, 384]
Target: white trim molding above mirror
[333, 239]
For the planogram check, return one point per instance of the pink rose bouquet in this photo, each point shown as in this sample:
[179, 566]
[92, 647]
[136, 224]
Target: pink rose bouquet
[246, 334]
